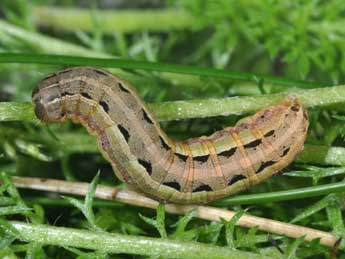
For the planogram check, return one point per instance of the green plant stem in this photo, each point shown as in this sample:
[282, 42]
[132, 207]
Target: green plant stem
[117, 243]
[111, 21]
[46, 44]
[11, 111]
[293, 194]
[145, 65]
[165, 111]
[9, 210]
[5, 201]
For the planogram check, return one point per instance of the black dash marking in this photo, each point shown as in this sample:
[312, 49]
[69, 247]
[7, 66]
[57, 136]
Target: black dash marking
[124, 132]
[295, 108]
[228, 153]
[182, 157]
[201, 159]
[264, 165]
[165, 145]
[66, 93]
[100, 72]
[236, 178]
[86, 95]
[270, 133]
[146, 164]
[146, 116]
[286, 150]
[252, 144]
[122, 88]
[105, 106]
[203, 187]
[174, 185]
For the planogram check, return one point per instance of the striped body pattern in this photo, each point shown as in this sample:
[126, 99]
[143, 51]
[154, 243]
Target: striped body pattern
[197, 170]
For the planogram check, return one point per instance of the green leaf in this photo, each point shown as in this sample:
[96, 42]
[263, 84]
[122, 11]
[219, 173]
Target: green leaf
[85, 255]
[181, 224]
[339, 117]
[3, 188]
[7, 233]
[34, 251]
[5, 201]
[230, 228]
[317, 173]
[6, 240]
[39, 214]
[90, 194]
[7, 253]
[290, 252]
[10, 210]
[247, 240]
[314, 208]
[159, 222]
[86, 207]
[75, 203]
[32, 150]
[11, 189]
[210, 233]
[10, 150]
[335, 218]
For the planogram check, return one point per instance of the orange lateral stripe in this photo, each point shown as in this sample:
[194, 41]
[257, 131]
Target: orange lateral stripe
[170, 160]
[215, 161]
[252, 177]
[188, 173]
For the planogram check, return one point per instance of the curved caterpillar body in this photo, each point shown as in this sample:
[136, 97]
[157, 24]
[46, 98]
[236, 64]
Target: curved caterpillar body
[197, 170]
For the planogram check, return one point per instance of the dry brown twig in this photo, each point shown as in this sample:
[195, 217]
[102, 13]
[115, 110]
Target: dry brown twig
[203, 212]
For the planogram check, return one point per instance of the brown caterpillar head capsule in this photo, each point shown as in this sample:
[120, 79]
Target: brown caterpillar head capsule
[47, 100]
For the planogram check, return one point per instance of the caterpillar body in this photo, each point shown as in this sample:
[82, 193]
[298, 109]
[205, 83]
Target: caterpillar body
[197, 170]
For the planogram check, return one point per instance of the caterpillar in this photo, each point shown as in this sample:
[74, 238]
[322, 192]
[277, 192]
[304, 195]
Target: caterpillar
[198, 170]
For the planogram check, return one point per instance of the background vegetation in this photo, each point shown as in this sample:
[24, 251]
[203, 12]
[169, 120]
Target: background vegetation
[264, 47]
